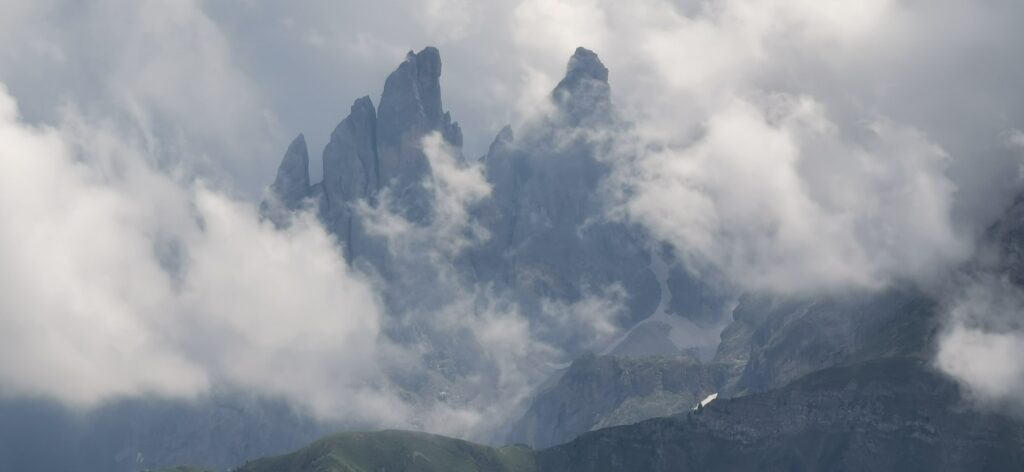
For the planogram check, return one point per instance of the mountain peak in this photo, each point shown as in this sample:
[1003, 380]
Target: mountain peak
[292, 182]
[583, 95]
[291, 186]
[585, 63]
[429, 58]
[412, 96]
[350, 158]
[410, 107]
[363, 105]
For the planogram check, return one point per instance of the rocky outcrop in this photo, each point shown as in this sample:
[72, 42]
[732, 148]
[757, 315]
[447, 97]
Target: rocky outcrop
[772, 342]
[292, 183]
[598, 392]
[372, 151]
[350, 177]
[291, 187]
[583, 96]
[549, 234]
[350, 158]
[410, 108]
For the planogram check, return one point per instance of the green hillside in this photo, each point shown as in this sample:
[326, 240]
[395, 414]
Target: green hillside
[396, 451]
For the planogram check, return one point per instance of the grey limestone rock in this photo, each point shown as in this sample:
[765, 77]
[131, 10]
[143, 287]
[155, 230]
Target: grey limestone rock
[583, 95]
[411, 108]
[603, 391]
[292, 183]
[291, 187]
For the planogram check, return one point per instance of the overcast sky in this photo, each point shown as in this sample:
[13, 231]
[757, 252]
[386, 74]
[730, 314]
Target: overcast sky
[796, 146]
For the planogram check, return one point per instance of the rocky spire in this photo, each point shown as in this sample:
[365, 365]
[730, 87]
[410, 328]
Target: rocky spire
[350, 158]
[410, 108]
[291, 186]
[411, 98]
[584, 96]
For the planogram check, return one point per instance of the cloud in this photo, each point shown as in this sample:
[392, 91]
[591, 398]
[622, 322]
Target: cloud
[78, 273]
[983, 342]
[162, 66]
[776, 198]
[280, 312]
[120, 280]
[453, 186]
[785, 145]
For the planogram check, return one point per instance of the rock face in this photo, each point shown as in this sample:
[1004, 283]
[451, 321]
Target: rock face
[409, 109]
[889, 415]
[584, 96]
[350, 158]
[350, 175]
[647, 339]
[598, 392]
[292, 182]
[770, 343]
[371, 151]
[291, 187]
[550, 236]
[782, 340]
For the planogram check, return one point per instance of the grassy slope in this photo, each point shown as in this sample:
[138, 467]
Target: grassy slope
[184, 469]
[396, 451]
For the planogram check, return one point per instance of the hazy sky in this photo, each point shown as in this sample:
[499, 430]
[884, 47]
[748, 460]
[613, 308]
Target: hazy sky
[799, 147]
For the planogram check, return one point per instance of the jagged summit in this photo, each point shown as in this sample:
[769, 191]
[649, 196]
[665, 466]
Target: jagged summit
[585, 63]
[373, 149]
[350, 158]
[412, 96]
[584, 96]
[502, 140]
[363, 105]
[292, 183]
[409, 109]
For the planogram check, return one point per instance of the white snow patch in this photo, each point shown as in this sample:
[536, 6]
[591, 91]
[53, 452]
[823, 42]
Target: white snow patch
[707, 400]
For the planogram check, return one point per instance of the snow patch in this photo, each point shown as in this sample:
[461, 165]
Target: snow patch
[707, 400]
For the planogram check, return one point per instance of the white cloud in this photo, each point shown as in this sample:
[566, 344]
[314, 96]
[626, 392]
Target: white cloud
[456, 186]
[773, 195]
[280, 312]
[786, 145]
[559, 26]
[453, 186]
[983, 342]
[1015, 139]
[448, 20]
[590, 322]
[120, 280]
[82, 291]
[162, 66]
